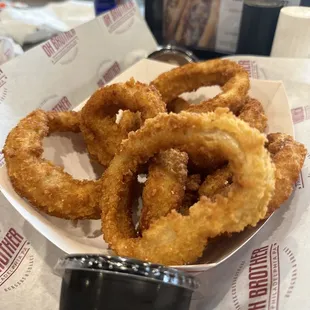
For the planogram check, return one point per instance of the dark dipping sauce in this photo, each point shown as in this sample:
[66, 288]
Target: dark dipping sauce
[257, 29]
[106, 282]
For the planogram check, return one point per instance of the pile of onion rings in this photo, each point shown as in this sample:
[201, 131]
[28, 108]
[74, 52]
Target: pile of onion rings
[175, 239]
[209, 167]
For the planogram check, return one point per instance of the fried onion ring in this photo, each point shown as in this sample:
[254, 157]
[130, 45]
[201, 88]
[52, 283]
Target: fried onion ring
[101, 133]
[232, 78]
[253, 113]
[45, 185]
[288, 157]
[165, 186]
[177, 239]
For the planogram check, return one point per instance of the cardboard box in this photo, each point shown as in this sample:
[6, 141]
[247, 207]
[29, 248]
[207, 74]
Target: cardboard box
[85, 236]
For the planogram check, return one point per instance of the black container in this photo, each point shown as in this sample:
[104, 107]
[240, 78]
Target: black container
[305, 3]
[105, 282]
[258, 25]
[102, 6]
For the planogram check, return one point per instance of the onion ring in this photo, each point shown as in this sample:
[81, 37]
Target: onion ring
[288, 157]
[165, 186]
[177, 239]
[101, 133]
[44, 184]
[232, 78]
[253, 113]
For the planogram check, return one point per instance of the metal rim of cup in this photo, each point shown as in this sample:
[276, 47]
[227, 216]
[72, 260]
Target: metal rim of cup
[172, 49]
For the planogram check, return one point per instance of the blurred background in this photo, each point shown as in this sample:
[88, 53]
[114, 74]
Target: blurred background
[207, 28]
[213, 28]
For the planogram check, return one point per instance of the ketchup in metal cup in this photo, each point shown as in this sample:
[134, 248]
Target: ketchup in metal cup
[111, 282]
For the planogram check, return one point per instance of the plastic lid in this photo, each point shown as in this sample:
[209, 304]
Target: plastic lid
[129, 266]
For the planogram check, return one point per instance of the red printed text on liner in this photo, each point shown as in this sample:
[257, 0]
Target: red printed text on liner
[106, 74]
[3, 89]
[263, 275]
[117, 17]
[55, 103]
[251, 67]
[63, 105]
[59, 46]
[14, 255]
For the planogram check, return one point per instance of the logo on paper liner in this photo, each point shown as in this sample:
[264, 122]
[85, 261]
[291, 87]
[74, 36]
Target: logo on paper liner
[107, 71]
[300, 114]
[300, 184]
[251, 67]
[3, 89]
[262, 277]
[2, 161]
[15, 254]
[62, 48]
[56, 103]
[3, 94]
[121, 18]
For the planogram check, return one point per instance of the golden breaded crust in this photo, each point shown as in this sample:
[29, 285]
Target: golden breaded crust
[288, 157]
[165, 186]
[253, 113]
[232, 77]
[216, 182]
[176, 239]
[193, 182]
[44, 184]
[102, 134]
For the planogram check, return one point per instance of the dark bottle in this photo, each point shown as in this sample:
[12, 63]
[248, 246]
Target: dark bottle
[103, 5]
[258, 26]
[154, 18]
[305, 3]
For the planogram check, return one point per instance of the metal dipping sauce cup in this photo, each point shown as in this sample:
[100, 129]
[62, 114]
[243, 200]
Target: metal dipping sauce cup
[174, 55]
[111, 282]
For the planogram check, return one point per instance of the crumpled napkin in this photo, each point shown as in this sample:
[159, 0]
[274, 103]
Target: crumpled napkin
[32, 25]
[8, 49]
